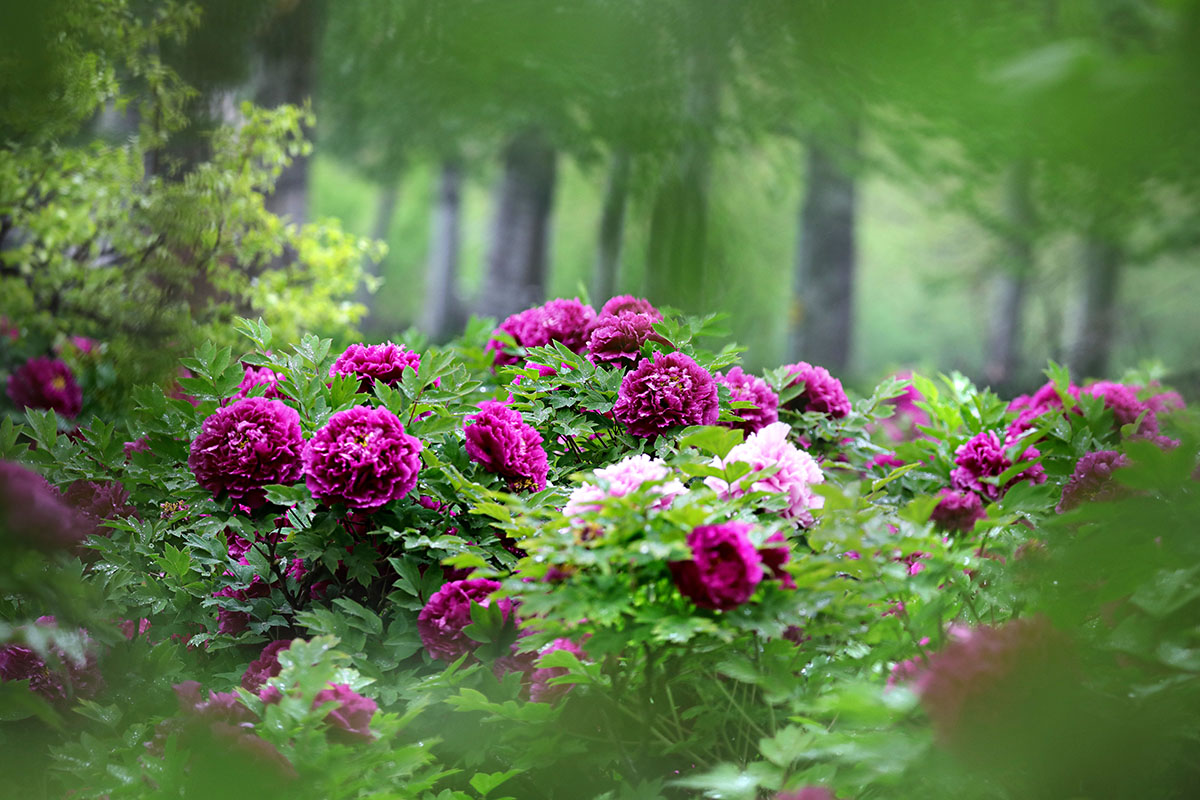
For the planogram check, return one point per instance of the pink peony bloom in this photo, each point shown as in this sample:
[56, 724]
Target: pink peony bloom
[822, 392]
[245, 446]
[264, 376]
[565, 321]
[351, 717]
[884, 461]
[750, 389]
[362, 458]
[667, 391]
[617, 340]
[724, 570]
[902, 425]
[540, 690]
[957, 511]
[622, 478]
[984, 456]
[794, 477]
[376, 362]
[628, 304]
[1092, 480]
[448, 611]
[46, 383]
[498, 439]
[265, 667]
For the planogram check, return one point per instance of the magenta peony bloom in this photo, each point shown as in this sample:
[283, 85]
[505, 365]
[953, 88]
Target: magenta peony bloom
[628, 304]
[622, 478]
[245, 446]
[265, 667]
[822, 392]
[351, 717]
[264, 376]
[773, 559]
[669, 391]
[903, 425]
[69, 678]
[750, 389]
[383, 362]
[1125, 406]
[448, 611]
[1030, 407]
[34, 513]
[98, 501]
[957, 512]
[498, 438]
[724, 569]
[540, 690]
[1092, 480]
[46, 383]
[617, 340]
[884, 461]
[983, 456]
[795, 472]
[563, 321]
[362, 458]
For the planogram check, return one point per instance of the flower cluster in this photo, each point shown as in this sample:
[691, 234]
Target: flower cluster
[376, 362]
[822, 392]
[795, 472]
[1092, 480]
[245, 446]
[70, 677]
[984, 456]
[362, 459]
[622, 478]
[46, 383]
[750, 389]
[498, 438]
[565, 321]
[616, 340]
[724, 569]
[667, 391]
[448, 611]
[957, 511]
[261, 376]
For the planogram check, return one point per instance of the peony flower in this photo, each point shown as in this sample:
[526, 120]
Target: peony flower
[264, 376]
[33, 512]
[903, 424]
[1030, 407]
[617, 340]
[884, 461]
[266, 666]
[1092, 480]
[724, 570]
[773, 559]
[822, 392]
[563, 321]
[69, 678]
[245, 446]
[362, 458]
[957, 512]
[540, 689]
[1125, 406]
[750, 389]
[794, 477]
[498, 439]
[669, 391]
[232, 622]
[132, 629]
[622, 478]
[628, 304]
[383, 362]
[217, 707]
[351, 717]
[984, 456]
[46, 383]
[98, 501]
[448, 611]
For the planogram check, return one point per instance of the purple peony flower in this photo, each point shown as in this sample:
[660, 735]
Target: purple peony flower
[622, 478]
[724, 570]
[903, 425]
[217, 707]
[669, 391]
[773, 559]
[245, 446]
[1125, 406]
[563, 321]
[540, 689]
[795, 472]
[628, 304]
[617, 340]
[265, 667]
[957, 511]
[1092, 480]
[261, 376]
[69, 678]
[376, 362]
[351, 717]
[98, 501]
[1030, 407]
[750, 389]
[34, 513]
[822, 392]
[46, 383]
[448, 611]
[362, 458]
[984, 456]
[498, 438]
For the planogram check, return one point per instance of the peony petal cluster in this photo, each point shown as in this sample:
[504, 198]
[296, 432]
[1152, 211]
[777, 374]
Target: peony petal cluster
[903, 424]
[822, 392]
[67, 679]
[984, 455]
[265, 667]
[565, 321]
[362, 459]
[795, 472]
[622, 478]
[46, 383]
[1030, 407]
[616, 341]
[245, 446]
[376, 362]
[499, 439]
[33, 512]
[665, 392]
[1092, 480]
[448, 611]
[1123, 402]
[628, 304]
[261, 376]
[351, 717]
[775, 554]
[540, 689]
[750, 389]
[956, 511]
[724, 570]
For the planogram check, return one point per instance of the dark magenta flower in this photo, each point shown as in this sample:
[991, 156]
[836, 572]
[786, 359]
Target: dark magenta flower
[540, 689]
[362, 458]
[774, 557]
[984, 456]
[351, 717]
[66, 679]
[957, 511]
[903, 425]
[500, 440]
[822, 392]
[98, 501]
[750, 389]
[667, 391]
[565, 321]
[617, 340]
[245, 446]
[34, 513]
[1092, 480]
[46, 383]
[724, 570]
[261, 376]
[1125, 406]
[265, 667]
[1030, 407]
[627, 304]
[376, 362]
[448, 611]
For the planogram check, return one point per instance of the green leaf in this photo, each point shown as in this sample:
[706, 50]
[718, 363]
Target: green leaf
[485, 782]
[712, 439]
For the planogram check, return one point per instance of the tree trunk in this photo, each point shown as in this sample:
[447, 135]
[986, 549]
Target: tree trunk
[1012, 282]
[825, 262]
[385, 209]
[444, 312]
[612, 228]
[517, 259]
[1097, 317]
